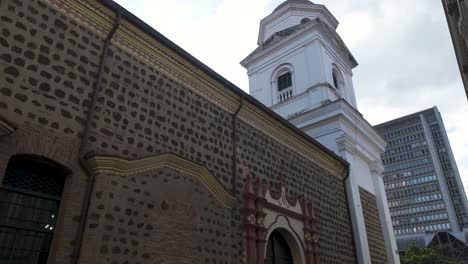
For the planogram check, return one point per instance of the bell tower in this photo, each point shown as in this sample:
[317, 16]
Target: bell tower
[303, 71]
[301, 62]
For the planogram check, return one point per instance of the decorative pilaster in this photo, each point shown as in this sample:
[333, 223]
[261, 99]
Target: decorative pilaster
[250, 221]
[310, 234]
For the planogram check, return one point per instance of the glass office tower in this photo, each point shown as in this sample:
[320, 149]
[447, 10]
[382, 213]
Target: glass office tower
[424, 190]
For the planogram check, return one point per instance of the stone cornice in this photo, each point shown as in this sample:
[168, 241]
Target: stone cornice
[332, 36]
[376, 168]
[123, 167]
[132, 37]
[349, 113]
[346, 143]
[297, 7]
[154, 53]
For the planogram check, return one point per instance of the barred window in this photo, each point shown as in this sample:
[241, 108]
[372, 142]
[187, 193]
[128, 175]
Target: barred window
[29, 201]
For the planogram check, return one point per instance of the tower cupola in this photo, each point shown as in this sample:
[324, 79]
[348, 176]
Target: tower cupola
[291, 13]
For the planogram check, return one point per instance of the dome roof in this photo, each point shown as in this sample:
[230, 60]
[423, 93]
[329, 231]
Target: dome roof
[292, 2]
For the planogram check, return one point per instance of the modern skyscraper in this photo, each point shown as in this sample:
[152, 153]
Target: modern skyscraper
[424, 189]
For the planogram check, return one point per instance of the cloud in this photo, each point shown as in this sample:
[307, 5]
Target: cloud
[355, 27]
[406, 58]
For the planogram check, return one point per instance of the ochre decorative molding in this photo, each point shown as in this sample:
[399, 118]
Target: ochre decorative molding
[140, 44]
[98, 18]
[123, 167]
[87, 13]
[5, 128]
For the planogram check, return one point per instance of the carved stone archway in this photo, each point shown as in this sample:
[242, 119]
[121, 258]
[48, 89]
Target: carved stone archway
[263, 212]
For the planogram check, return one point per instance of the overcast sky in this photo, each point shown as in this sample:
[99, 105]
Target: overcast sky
[405, 55]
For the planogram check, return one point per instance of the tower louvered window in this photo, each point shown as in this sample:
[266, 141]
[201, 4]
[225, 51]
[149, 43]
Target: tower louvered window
[29, 201]
[284, 81]
[335, 81]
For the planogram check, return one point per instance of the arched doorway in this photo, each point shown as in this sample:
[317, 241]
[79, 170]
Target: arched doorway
[29, 201]
[278, 251]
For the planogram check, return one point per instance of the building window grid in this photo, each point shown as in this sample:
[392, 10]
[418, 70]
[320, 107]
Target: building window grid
[411, 193]
[448, 173]
[421, 209]
[421, 218]
[404, 148]
[408, 174]
[403, 131]
[415, 200]
[401, 148]
[406, 156]
[423, 228]
[406, 139]
[411, 182]
[408, 164]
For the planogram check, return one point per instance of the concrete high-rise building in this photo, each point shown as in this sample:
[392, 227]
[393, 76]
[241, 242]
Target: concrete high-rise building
[424, 189]
[456, 12]
[303, 71]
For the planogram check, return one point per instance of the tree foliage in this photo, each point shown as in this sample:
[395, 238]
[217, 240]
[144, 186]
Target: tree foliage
[419, 255]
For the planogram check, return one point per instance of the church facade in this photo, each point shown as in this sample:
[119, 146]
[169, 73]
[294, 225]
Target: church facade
[303, 71]
[117, 146]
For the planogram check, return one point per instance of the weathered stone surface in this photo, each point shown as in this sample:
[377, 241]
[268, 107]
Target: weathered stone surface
[374, 231]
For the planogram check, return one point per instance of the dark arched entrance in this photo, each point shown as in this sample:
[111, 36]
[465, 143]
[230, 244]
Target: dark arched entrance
[278, 251]
[29, 201]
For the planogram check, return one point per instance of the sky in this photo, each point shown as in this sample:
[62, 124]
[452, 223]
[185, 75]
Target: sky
[404, 50]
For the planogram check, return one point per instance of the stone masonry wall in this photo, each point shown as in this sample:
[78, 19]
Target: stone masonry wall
[373, 228]
[158, 217]
[142, 112]
[261, 156]
[49, 65]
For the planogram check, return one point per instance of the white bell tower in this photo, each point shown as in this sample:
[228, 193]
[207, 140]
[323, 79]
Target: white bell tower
[299, 39]
[302, 70]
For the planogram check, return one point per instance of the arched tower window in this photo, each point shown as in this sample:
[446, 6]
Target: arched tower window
[283, 83]
[278, 251]
[337, 78]
[29, 201]
[305, 20]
